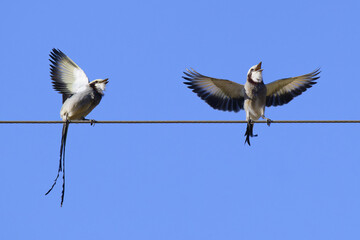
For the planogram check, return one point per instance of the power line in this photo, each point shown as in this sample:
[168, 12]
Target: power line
[176, 122]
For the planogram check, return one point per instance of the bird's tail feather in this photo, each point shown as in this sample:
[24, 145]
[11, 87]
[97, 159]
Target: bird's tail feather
[61, 161]
[66, 126]
[249, 132]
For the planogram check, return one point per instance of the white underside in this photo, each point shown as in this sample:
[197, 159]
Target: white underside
[78, 105]
[254, 109]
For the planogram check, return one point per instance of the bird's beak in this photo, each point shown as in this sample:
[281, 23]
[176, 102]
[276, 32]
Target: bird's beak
[258, 67]
[106, 80]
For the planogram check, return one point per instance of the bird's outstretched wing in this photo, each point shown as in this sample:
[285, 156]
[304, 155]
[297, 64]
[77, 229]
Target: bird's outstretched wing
[218, 93]
[284, 90]
[67, 77]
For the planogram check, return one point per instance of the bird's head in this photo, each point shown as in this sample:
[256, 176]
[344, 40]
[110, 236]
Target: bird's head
[99, 84]
[255, 73]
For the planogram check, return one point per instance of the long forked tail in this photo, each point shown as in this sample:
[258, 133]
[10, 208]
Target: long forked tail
[61, 161]
[249, 132]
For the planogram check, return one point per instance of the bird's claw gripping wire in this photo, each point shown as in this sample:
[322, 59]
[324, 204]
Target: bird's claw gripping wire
[268, 121]
[92, 121]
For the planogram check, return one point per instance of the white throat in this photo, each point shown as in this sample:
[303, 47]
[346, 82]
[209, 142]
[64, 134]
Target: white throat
[100, 87]
[256, 76]
[255, 73]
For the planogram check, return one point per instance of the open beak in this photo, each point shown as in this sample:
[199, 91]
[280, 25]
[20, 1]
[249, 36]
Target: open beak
[258, 67]
[106, 80]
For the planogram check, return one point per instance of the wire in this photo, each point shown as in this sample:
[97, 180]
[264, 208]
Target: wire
[178, 122]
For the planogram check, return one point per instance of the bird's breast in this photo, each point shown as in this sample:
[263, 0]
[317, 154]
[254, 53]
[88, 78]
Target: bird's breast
[253, 91]
[79, 105]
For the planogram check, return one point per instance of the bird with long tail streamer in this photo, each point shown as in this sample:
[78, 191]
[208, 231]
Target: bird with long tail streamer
[80, 97]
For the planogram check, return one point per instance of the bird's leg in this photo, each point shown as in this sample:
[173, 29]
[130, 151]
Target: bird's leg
[268, 120]
[92, 121]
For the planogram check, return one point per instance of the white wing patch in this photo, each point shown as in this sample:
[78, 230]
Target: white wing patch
[67, 77]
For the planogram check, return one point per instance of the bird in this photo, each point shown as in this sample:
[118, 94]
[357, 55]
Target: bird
[225, 95]
[79, 97]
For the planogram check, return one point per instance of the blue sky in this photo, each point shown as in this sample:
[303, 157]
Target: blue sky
[180, 181]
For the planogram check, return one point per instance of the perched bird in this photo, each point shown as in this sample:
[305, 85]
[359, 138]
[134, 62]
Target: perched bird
[80, 97]
[252, 97]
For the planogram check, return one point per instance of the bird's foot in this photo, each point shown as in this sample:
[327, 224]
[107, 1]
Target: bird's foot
[268, 121]
[92, 121]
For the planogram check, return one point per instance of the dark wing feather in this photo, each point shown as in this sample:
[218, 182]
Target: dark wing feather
[284, 90]
[218, 93]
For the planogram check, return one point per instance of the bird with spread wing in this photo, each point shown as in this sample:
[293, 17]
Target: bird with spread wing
[80, 97]
[230, 96]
